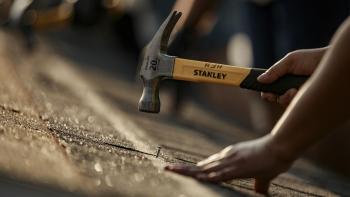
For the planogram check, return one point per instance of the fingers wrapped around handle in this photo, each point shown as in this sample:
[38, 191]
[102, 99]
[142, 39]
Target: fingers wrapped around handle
[280, 86]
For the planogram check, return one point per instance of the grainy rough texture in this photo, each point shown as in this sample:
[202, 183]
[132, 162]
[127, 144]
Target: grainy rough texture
[65, 131]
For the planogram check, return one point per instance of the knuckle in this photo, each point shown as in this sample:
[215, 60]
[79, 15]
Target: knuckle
[284, 101]
[227, 149]
[273, 69]
[291, 58]
[291, 55]
[276, 70]
[272, 97]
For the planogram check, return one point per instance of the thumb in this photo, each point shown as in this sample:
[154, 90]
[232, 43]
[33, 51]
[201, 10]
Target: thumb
[261, 185]
[276, 71]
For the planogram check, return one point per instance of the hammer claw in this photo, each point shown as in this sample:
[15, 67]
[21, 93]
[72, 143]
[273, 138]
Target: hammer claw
[169, 25]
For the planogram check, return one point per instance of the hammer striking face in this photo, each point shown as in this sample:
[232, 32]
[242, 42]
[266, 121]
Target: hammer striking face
[156, 65]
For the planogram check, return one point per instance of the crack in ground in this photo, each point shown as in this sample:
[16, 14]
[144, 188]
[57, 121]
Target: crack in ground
[184, 160]
[183, 151]
[10, 108]
[226, 184]
[296, 190]
[97, 141]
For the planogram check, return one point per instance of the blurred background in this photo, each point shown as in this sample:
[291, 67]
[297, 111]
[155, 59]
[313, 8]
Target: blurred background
[107, 36]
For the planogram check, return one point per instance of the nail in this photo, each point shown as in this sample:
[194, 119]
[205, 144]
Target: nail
[262, 76]
[158, 151]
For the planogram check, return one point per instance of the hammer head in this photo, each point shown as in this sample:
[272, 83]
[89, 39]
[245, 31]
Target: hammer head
[156, 65]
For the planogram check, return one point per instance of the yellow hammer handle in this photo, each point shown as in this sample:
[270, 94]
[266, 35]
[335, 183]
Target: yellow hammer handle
[198, 71]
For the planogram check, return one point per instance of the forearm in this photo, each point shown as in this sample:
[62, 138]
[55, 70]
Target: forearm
[192, 12]
[321, 105]
[184, 6]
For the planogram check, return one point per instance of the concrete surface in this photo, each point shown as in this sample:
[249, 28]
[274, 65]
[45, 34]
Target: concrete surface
[69, 131]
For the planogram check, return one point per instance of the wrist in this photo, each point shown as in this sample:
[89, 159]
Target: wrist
[281, 150]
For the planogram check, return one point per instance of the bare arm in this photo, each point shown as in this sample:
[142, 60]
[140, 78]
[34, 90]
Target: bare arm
[322, 104]
[192, 12]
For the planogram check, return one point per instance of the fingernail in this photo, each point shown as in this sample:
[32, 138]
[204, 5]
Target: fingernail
[262, 77]
[171, 167]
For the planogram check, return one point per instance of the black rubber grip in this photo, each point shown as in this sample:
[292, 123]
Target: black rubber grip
[280, 86]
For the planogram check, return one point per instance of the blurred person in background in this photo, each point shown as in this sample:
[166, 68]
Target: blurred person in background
[5, 6]
[197, 21]
[29, 16]
[271, 28]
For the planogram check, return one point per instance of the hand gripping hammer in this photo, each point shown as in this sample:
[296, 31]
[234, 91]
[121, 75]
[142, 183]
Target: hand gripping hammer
[156, 65]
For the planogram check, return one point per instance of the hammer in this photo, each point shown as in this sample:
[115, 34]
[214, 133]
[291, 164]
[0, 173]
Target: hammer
[156, 65]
